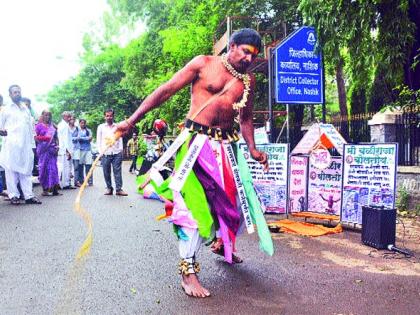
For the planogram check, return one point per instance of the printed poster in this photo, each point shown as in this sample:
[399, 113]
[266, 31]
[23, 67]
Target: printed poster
[369, 178]
[324, 188]
[297, 183]
[271, 187]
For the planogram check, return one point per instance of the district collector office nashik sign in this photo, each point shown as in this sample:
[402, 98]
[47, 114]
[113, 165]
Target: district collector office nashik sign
[298, 70]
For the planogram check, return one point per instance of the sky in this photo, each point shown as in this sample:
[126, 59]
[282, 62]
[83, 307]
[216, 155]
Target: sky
[41, 41]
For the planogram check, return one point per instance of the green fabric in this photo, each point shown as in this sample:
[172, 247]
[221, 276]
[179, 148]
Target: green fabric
[194, 196]
[162, 190]
[139, 161]
[257, 216]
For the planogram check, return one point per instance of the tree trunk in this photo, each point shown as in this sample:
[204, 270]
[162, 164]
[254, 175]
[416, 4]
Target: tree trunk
[412, 76]
[342, 100]
[296, 124]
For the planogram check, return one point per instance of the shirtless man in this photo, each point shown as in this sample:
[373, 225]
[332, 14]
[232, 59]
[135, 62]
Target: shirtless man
[209, 75]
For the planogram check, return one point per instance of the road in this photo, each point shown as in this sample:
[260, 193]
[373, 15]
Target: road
[131, 268]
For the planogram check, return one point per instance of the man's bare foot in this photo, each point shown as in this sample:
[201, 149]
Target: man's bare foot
[192, 287]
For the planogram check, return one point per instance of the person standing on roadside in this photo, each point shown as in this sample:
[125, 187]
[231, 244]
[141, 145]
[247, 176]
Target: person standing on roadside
[65, 151]
[16, 155]
[113, 156]
[133, 148]
[85, 162]
[47, 150]
[75, 151]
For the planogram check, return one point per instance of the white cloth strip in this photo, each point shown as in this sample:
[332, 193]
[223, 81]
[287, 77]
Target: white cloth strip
[240, 188]
[180, 176]
[173, 148]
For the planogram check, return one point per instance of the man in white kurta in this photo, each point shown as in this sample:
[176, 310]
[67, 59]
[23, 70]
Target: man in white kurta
[65, 151]
[16, 155]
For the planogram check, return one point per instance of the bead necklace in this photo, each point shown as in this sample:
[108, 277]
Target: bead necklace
[242, 76]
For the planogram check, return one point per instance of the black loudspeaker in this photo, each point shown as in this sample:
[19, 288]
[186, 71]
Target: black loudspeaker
[378, 226]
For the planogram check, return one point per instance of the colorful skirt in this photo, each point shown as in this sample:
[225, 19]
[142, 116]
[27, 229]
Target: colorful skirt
[211, 189]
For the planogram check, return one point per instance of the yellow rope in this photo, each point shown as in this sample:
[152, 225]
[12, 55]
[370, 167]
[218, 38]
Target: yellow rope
[87, 244]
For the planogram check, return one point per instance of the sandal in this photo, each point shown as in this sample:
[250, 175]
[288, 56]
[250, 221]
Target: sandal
[33, 201]
[15, 201]
[45, 193]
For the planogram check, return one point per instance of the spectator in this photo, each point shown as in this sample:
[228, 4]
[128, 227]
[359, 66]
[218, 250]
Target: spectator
[28, 103]
[64, 152]
[85, 137]
[47, 150]
[112, 156]
[16, 155]
[133, 147]
[75, 157]
[2, 176]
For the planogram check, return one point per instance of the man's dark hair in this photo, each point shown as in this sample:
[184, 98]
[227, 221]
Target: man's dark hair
[26, 100]
[109, 110]
[246, 36]
[13, 86]
[1, 99]
[87, 130]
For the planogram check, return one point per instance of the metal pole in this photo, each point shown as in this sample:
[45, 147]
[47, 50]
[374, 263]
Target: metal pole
[324, 110]
[288, 123]
[270, 96]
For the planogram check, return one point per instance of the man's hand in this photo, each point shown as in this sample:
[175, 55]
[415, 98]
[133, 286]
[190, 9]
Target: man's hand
[3, 132]
[260, 157]
[122, 128]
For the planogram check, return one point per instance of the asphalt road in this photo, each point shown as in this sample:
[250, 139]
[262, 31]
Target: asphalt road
[131, 268]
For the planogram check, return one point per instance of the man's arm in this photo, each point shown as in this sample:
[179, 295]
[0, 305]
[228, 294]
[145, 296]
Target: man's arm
[180, 79]
[3, 113]
[247, 128]
[99, 138]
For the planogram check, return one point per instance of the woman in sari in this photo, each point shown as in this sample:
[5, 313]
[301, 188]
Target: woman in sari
[47, 149]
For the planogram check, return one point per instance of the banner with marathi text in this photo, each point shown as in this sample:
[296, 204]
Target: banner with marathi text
[324, 188]
[369, 178]
[298, 183]
[271, 187]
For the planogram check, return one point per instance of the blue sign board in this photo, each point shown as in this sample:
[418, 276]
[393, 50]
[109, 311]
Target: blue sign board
[298, 69]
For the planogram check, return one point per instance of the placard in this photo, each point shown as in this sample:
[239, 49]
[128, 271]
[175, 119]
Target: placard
[271, 187]
[369, 178]
[324, 188]
[298, 183]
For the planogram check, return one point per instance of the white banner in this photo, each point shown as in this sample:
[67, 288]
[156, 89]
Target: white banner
[271, 186]
[297, 183]
[369, 178]
[239, 187]
[170, 152]
[187, 163]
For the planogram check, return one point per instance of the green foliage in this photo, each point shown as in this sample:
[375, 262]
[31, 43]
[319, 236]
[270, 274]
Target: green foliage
[403, 200]
[371, 38]
[377, 36]
[406, 99]
[96, 88]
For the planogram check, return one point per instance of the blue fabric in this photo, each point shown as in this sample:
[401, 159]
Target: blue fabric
[83, 137]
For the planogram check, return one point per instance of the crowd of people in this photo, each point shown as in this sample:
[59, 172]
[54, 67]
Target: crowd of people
[59, 155]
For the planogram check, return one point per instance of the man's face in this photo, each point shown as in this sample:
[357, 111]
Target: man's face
[82, 124]
[109, 117]
[241, 56]
[71, 121]
[66, 118]
[15, 94]
[134, 136]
